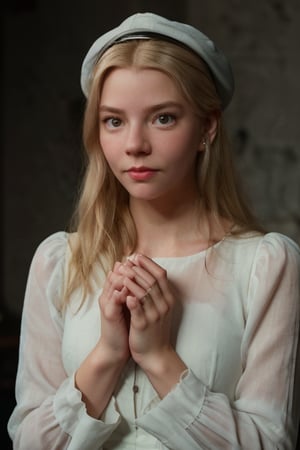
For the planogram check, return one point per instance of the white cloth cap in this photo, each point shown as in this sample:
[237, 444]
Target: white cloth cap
[147, 25]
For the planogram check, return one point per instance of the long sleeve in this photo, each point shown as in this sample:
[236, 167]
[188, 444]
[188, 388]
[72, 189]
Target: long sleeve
[49, 411]
[264, 413]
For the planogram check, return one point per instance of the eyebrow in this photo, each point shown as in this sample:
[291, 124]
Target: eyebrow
[153, 108]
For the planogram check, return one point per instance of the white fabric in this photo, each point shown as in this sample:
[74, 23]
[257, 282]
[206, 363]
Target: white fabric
[236, 327]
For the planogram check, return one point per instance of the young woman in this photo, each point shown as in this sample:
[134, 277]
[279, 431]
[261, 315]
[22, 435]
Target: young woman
[168, 318]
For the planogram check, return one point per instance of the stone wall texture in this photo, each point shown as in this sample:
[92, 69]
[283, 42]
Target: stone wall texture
[43, 46]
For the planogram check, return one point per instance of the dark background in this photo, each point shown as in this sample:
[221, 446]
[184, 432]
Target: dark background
[43, 44]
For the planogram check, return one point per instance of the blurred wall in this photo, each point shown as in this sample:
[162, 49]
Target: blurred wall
[43, 46]
[262, 40]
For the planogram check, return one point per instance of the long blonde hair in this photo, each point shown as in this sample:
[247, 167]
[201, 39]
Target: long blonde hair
[103, 222]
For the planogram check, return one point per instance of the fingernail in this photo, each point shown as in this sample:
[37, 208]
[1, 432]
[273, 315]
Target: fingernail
[132, 257]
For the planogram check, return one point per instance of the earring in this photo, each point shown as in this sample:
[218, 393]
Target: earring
[205, 144]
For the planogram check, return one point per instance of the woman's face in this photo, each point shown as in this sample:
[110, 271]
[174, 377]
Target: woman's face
[149, 134]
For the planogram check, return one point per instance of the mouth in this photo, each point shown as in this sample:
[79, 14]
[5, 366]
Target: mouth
[141, 173]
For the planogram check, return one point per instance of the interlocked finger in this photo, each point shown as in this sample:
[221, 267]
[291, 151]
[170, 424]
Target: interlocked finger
[143, 278]
[114, 283]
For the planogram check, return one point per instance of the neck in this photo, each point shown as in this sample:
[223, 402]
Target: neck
[172, 229]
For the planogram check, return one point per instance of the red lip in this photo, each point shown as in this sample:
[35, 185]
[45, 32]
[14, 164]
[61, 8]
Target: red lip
[141, 173]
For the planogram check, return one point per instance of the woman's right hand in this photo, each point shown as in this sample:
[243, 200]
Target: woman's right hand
[115, 315]
[99, 373]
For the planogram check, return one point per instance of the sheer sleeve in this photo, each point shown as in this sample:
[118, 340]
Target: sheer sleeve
[49, 412]
[265, 411]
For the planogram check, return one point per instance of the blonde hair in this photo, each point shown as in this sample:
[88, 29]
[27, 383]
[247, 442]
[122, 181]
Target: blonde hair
[105, 229]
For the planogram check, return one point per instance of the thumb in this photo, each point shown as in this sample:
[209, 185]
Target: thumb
[136, 311]
[132, 303]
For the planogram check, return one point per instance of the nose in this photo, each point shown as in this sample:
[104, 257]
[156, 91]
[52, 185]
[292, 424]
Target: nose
[137, 140]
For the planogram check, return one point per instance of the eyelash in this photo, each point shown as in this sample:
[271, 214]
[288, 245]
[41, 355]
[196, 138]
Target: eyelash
[171, 118]
[108, 121]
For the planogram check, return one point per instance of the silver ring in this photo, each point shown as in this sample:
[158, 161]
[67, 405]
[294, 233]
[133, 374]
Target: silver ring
[146, 298]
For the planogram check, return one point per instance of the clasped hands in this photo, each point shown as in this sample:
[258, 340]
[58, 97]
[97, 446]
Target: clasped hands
[136, 308]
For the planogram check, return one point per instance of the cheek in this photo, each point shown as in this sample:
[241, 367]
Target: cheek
[108, 149]
[183, 147]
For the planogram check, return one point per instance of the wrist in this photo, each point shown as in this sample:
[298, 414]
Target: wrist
[113, 356]
[97, 377]
[164, 370]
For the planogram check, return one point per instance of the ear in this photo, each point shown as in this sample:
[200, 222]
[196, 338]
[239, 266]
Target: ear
[210, 130]
[212, 127]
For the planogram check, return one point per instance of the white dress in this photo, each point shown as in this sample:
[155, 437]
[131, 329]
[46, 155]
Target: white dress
[236, 327]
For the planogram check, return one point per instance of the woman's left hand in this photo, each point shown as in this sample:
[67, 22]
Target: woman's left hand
[151, 304]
